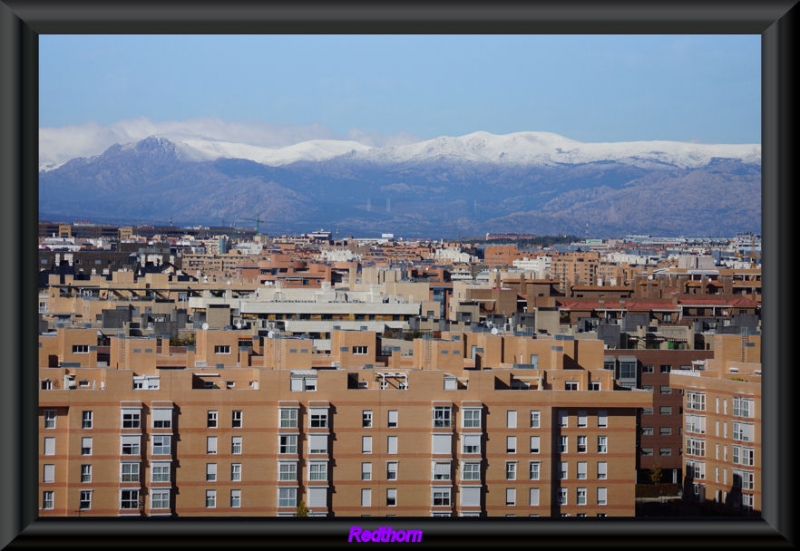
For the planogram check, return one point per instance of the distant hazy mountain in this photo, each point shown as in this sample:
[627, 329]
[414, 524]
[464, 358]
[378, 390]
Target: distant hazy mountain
[528, 182]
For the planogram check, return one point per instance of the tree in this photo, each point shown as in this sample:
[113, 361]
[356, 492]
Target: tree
[656, 472]
[302, 510]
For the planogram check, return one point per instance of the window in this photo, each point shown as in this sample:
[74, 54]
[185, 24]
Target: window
[594, 385]
[535, 444]
[563, 444]
[211, 445]
[162, 445]
[222, 349]
[647, 431]
[696, 470]
[391, 497]
[472, 418]
[535, 419]
[236, 419]
[743, 431]
[581, 496]
[563, 470]
[318, 470]
[366, 471]
[665, 368]
[582, 470]
[582, 444]
[47, 500]
[665, 410]
[360, 350]
[647, 411]
[162, 418]
[49, 418]
[129, 472]
[582, 418]
[318, 418]
[49, 473]
[160, 472]
[441, 444]
[470, 496]
[80, 348]
[287, 497]
[647, 452]
[471, 443]
[159, 499]
[563, 419]
[602, 496]
[86, 473]
[571, 385]
[211, 499]
[665, 431]
[391, 444]
[511, 470]
[511, 444]
[366, 497]
[440, 471]
[85, 500]
[129, 499]
[287, 443]
[562, 496]
[743, 407]
[366, 419]
[602, 419]
[211, 420]
[318, 443]
[647, 369]
[511, 497]
[392, 419]
[288, 418]
[696, 401]
[511, 419]
[236, 472]
[743, 456]
[131, 418]
[50, 446]
[86, 445]
[602, 444]
[287, 470]
[695, 446]
[440, 497]
[535, 469]
[664, 451]
[211, 472]
[534, 497]
[391, 470]
[602, 470]
[236, 498]
[366, 444]
[665, 389]
[695, 423]
[86, 419]
[131, 444]
[743, 479]
[471, 471]
[441, 416]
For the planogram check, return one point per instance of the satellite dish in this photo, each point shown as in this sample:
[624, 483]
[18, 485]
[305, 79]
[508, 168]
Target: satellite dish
[494, 331]
[270, 334]
[238, 325]
[205, 326]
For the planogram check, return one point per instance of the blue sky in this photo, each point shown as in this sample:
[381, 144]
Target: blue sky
[590, 88]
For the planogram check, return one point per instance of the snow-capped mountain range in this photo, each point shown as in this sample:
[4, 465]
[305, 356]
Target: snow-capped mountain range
[520, 148]
[527, 182]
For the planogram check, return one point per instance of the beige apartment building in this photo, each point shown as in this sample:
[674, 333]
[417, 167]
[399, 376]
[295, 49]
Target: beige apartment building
[467, 425]
[722, 425]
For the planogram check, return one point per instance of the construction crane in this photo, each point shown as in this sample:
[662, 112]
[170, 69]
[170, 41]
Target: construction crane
[257, 221]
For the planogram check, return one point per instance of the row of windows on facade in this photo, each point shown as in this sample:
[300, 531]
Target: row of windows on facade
[470, 496]
[741, 479]
[161, 471]
[131, 418]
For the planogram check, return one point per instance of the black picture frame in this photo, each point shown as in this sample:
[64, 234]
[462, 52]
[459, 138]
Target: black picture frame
[21, 21]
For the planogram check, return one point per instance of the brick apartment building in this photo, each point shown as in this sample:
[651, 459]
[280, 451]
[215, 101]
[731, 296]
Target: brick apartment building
[468, 425]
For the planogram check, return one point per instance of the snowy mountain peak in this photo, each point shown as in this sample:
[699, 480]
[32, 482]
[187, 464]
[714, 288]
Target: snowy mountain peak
[520, 148]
